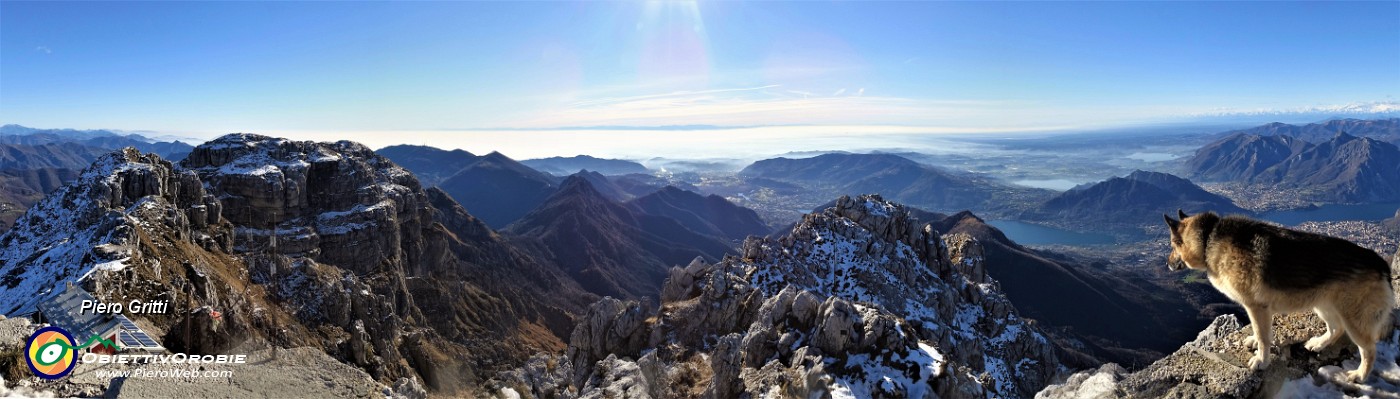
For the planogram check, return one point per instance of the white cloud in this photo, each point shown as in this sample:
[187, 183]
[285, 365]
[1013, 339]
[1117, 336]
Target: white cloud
[44, 49]
[1375, 107]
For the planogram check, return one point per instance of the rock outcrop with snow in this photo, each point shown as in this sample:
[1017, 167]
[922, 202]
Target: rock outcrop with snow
[402, 279]
[97, 223]
[857, 301]
[1214, 366]
[295, 244]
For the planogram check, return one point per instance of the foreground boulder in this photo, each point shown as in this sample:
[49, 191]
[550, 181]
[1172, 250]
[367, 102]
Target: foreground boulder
[1214, 366]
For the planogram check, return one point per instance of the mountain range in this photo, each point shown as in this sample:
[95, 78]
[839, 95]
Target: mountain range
[710, 215]
[498, 189]
[432, 165]
[606, 286]
[493, 187]
[102, 139]
[562, 166]
[892, 176]
[58, 155]
[1387, 130]
[610, 249]
[1345, 168]
[1129, 202]
[501, 190]
[34, 162]
[28, 172]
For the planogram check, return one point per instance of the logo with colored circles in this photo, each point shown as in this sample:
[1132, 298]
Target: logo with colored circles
[51, 353]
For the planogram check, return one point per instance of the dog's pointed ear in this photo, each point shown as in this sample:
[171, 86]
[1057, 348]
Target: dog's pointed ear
[1180, 215]
[1171, 223]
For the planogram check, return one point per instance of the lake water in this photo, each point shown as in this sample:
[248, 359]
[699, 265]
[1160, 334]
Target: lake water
[1329, 213]
[1151, 156]
[1052, 184]
[1034, 234]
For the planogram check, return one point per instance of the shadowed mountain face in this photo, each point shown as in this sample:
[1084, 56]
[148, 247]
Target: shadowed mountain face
[1123, 319]
[833, 167]
[638, 185]
[20, 189]
[892, 176]
[497, 189]
[1130, 201]
[493, 187]
[27, 172]
[431, 164]
[710, 215]
[609, 249]
[606, 186]
[34, 162]
[1345, 168]
[62, 155]
[1242, 156]
[561, 166]
[1380, 129]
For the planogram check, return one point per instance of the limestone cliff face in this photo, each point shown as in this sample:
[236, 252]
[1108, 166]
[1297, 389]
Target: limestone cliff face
[405, 281]
[296, 244]
[336, 230]
[856, 300]
[339, 203]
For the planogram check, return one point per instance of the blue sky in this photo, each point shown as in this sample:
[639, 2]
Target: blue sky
[386, 72]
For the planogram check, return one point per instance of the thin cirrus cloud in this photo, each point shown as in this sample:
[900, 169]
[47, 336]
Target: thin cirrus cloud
[43, 49]
[764, 105]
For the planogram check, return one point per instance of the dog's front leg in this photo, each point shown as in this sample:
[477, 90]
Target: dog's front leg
[1262, 319]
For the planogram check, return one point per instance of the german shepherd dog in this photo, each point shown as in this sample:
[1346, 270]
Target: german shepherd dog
[1269, 269]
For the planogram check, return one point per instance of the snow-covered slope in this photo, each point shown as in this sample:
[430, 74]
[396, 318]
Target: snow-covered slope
[867, 250]
[91, 224]
[857, 301]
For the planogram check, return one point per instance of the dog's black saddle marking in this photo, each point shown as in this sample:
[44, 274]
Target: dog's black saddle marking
[1295, 260]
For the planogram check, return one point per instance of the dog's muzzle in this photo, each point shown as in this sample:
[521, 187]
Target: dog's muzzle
[1176, 266]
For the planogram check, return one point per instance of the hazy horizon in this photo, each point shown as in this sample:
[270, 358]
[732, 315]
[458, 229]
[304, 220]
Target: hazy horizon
[615, 79]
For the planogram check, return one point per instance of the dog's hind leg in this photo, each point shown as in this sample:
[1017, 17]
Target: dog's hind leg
[1262, 319]
[1335, 329]
[1365, 339]
[1365, 327]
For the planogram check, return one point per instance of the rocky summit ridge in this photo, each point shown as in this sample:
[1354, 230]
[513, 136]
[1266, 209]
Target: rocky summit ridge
[96, 225]
[856, 301]
[296, 244]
